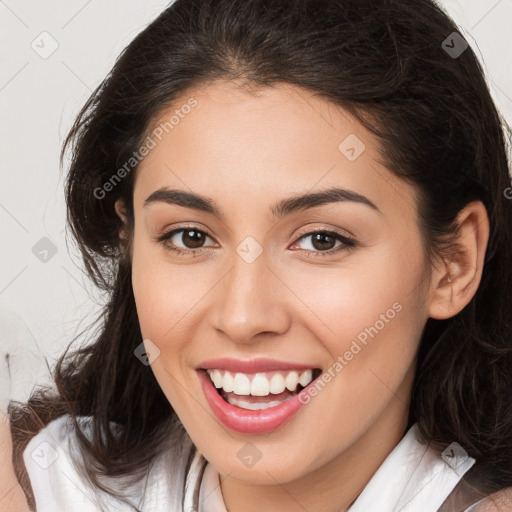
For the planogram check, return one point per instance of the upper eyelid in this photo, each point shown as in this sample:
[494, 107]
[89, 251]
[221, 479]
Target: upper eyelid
[336, 231]
[176, 230]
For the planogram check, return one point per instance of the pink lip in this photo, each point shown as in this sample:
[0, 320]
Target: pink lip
[246, 421]
[251, 366]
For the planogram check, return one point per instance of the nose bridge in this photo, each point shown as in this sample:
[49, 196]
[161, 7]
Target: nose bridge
[248, 302]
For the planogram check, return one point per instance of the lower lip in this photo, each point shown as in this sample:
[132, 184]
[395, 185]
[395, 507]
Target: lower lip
[246, 421]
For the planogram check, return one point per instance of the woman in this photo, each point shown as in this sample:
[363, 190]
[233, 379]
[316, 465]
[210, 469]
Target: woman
[299, 212]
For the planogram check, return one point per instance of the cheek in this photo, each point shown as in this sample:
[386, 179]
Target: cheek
[378, 287]
[163, 293]
[369, 315]
[165, 297]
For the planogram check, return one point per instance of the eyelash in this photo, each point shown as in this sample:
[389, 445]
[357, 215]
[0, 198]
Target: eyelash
[347, 242]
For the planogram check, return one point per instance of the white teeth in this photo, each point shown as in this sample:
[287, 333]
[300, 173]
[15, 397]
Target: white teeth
[259, 385]
[217, 379]
[227, 382]
[241, 383]
[292, 379]
[306, 378]
[240, 402]
[277, 384]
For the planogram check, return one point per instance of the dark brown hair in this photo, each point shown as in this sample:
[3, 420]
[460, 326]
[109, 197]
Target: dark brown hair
[438, 128]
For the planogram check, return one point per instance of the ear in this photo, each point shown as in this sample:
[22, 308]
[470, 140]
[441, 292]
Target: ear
[456, 279]
[120, 208]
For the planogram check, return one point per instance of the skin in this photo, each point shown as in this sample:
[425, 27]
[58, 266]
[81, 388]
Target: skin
[12, 497]
[246, 150]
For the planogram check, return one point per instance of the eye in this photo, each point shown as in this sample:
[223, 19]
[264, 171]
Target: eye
[323, 242]
[190, 236]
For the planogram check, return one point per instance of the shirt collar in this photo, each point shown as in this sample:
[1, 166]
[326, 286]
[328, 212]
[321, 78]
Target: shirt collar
[413, 477]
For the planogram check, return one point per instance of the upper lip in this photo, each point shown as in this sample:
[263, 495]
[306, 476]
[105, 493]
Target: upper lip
[252, 365]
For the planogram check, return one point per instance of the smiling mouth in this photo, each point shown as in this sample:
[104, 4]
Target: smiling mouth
[262, 390]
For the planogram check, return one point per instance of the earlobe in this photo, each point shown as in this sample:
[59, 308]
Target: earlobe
[455, 281]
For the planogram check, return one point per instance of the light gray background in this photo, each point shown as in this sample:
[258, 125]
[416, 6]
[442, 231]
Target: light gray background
[43, 305]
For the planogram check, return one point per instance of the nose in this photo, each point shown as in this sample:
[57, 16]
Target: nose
[251, 300]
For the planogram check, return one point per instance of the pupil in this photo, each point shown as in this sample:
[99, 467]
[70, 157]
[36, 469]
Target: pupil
[320, 237]
[196, 240]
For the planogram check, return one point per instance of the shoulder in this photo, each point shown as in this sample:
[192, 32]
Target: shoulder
[53, 463]
[55, 467]
[500, 501]
[55, 444]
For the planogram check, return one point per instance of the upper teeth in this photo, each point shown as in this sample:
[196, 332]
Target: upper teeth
[259, 384]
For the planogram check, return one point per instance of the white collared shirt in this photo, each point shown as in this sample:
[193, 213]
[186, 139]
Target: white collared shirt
[413, 478]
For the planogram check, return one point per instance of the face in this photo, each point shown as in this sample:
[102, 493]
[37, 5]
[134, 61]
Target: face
[338, 285]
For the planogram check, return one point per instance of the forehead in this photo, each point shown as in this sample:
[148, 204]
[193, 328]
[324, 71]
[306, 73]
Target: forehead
[262, 144]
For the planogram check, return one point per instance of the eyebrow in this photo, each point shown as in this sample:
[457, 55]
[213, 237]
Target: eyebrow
[280, 209]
